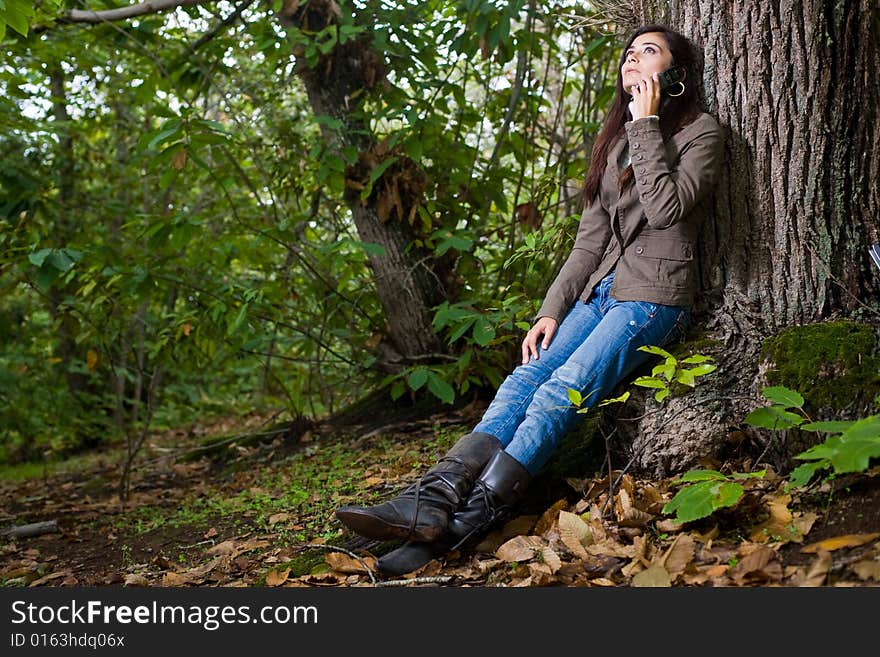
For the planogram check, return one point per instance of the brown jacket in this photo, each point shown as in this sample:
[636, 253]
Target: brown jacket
[653, 244]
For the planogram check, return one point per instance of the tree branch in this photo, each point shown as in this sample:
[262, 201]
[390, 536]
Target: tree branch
[109, 15]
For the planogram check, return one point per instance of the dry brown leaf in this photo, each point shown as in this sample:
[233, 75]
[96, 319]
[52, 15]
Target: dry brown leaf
[540, 574]
[635, 518]
[804, 523]
[549, 557]
[226, 547]
[603, 581]
[679, 555]
[867, 569]
[780, 525]
[519, 548]
[669, 526]
[50, 577]
[136, 579]
[278, 517]
[654, 576]
[847, 540]
[548, 518]
[610, 548]
[175, 579]
[343, 563]
[574, 533]
[200, 572]
[759, 562]
[818, 571]
[277, 577]
[247, 546]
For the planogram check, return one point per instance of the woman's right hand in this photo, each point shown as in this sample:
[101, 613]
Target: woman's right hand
[545, 326]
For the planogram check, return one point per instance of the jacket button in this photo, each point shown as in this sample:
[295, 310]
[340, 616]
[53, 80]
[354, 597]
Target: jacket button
[639, 156]
[639, 250]
[641, 169]
[635, 144]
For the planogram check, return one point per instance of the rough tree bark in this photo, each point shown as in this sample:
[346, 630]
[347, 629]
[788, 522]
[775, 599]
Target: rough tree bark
[794, 83]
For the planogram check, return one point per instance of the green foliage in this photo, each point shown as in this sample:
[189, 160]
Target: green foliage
[670, 372]
[706, 492]
[181, 244]
[849, 447]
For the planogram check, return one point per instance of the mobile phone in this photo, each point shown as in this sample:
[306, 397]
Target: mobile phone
[670, 76]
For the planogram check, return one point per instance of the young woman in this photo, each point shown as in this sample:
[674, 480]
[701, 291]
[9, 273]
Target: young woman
[629, 281]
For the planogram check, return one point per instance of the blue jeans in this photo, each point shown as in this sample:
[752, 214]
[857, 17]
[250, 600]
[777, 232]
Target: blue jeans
[594, 347]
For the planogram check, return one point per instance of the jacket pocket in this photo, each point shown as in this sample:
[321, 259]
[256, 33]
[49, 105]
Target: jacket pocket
[668, 261]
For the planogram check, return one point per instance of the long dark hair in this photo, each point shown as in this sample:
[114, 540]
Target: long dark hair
[675, 112]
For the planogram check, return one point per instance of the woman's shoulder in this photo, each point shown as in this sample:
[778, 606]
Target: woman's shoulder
[702, 123]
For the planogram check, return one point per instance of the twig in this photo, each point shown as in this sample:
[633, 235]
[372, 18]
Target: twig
[438, 579]
[349, 553]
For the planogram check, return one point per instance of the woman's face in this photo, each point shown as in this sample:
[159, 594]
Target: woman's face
[646, 55]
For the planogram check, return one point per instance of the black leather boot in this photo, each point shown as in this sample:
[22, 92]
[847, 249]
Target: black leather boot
[495, 494]
[422, 511]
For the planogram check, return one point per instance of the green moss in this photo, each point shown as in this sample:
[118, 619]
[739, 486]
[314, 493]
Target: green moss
[834, 365]
[696, 342]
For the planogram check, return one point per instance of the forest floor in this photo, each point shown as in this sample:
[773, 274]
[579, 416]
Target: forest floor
[262, 515]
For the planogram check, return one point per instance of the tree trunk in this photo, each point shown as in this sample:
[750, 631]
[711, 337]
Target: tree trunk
[404, 283]
[794, 84]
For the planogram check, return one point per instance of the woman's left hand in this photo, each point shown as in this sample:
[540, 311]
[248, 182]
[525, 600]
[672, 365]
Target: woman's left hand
[646, 98]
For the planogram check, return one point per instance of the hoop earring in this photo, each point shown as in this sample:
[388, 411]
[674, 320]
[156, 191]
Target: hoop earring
[680, 92]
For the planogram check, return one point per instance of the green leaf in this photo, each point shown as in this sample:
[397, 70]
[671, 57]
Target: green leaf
[38, 257]
[616, 400]
[772, 417]
[783, 396]
[685, 377]
[831, 426]
[649, 382]
[702, 499]
[440, 388]
[661, 395]
[702, 370]
[484, 332]
[575, 397]
[657, 350]
[417, 378]
[858, 445]
[696, 358]
[802, 474]
[699, 475]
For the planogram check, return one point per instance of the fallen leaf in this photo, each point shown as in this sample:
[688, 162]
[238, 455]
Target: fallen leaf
[818, 571]
[780, 526]
[277, 577]
[847, 540]
[805, 522]
[759, 562]
[226, 547]
[278, 517]
[136, 579]
[868, 569]
[519, 548]
[655, 576]
[574, 533]
[343, 563]
[549, 517]
[549, 557]
[50, 577]
[679, 555]
[174, 579]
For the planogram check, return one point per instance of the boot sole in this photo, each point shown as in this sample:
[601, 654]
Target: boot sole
[369, 526]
